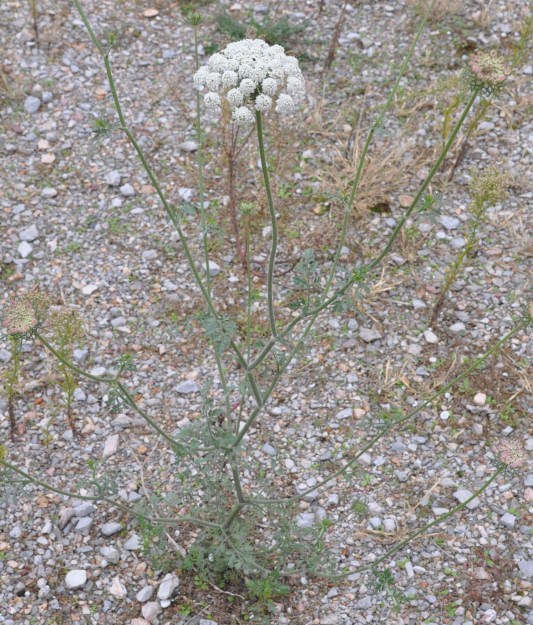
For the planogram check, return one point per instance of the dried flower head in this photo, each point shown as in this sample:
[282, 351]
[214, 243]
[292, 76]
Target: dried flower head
[490, 187]
[250, 74]
[511, 453]
[22, 316]
[488, 71]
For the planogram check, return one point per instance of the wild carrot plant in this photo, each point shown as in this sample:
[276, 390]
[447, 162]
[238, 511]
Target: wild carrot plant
[258, 84]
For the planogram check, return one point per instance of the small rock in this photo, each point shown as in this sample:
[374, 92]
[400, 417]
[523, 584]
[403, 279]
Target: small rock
[110, 554]
[126, 190]
[144, 594]
[330, 619]
[110, 446]
[463, 494]
[344, 414]
[133, 543]
[117, 588]
[83, 525]
[508, 519]
[150, 13]
[151, 610]
[458, 328]
[32, 104]
[49, 192]
[305, 519]
[430, 337]
[187, 386]
[167, 586]
[526, 568]
[369, 335]
[214, 269]
[480, 399]
[188, 146]
[113, 178]
[186, 194]
[29, 234]
[24, 249]
[75, 579]
[268, 449]
[84, 509]
[481, 574]
[450, 223]
[89, 289]
[364, 604]
[108, 529]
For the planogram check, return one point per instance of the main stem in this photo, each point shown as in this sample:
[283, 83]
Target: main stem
[274, 226]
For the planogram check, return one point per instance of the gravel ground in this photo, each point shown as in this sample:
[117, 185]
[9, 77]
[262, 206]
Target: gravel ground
[80, 219]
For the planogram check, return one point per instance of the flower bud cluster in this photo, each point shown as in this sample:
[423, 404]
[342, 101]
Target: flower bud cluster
[511, 453]
[251, 76]
[487, 71]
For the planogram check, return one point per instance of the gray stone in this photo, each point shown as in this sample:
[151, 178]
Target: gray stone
[508, 520]
[214, 269]
[431, 337]
[205, 621]
[186, 194]
[118, 322]
[32, 104]
[108, 529]
[5, 355]
[528, 480]
[85, 508]
[75, 579]
[133, 543]
[305, 519]
[117, 588]
[458, 328]
[167, 586]
[110, 554]
[364, 604]
[110, 446]
[344, 414]
[126, 190]
[149, 255]
[458, 243]
[330, 619]
[375, 522]
[188, 146]
[526, 568]
[24, 249]
[450, 223]
[463, 494]
[145, 594]
[49, 192]
[113, 178]
[83, 525]
[369, 335]
[80, 355]
[268, 449]
[29, 234]
[187, 386]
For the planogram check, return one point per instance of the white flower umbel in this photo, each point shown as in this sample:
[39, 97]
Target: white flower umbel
[251, 76]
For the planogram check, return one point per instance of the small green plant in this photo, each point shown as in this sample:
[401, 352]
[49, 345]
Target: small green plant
[265, 589]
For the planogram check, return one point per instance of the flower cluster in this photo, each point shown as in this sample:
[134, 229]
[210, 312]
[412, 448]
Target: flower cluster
[511, 453]
[23, 315]
[251, 76]
[487, 71]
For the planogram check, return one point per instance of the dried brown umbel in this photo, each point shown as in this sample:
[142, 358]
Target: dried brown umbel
[22, 315]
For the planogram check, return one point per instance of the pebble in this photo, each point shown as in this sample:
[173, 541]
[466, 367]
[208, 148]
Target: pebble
[508, 520]
[113, 178]
[458, 328]
[188, 146]
[29, 234]
[526, 568]
[117, 588]
[76, 579]
[24, 249]
[108, 529]
[368, 335]
[450, 223]
[145, 594]
[430, 337]
[126, 190]
[49, 192]
[167, 586]
[110, 446]
[32, 104]
[133, 543]
[463, 494]
[268, 449]
[89, 289]
[110, 554]
[305, 519]
[187, 386]
[214, 269]
[150, 610]
[344, 414]
[83, 525]
[480, 399]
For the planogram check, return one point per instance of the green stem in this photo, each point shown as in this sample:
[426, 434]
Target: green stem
[420, 531]
[273, 223]
[116, 504]
[479, 361]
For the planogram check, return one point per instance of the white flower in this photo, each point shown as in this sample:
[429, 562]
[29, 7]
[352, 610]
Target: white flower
[285, 104]
[247, 86]
[212, 81]
[269, 86]
[249, 75]
[229, 78]
[243, 116]
[212, 102]
[263, 102]
[235, 97]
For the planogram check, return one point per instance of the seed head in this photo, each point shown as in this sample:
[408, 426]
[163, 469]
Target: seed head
[22, 316]
[490, 186]
[511, 453]
[488, 71]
